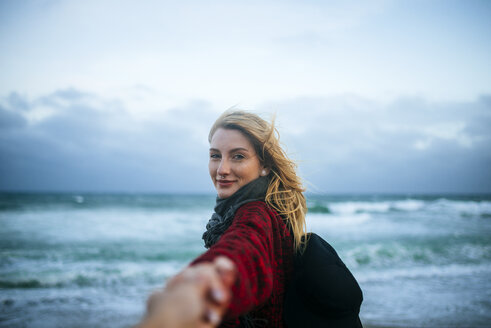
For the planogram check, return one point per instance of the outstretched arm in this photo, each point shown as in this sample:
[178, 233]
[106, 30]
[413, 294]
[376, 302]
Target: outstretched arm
[248, 242]
[191, 298]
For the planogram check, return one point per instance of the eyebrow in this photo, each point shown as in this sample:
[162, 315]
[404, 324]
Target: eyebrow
[232, 150]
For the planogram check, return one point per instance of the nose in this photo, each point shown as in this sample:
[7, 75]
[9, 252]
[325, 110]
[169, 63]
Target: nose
[223, 168]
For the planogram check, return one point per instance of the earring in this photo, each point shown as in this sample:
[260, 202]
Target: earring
[263, 173]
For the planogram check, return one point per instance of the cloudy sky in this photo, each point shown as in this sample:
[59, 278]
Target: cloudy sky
[369, 96]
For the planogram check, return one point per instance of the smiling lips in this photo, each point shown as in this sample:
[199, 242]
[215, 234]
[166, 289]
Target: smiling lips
[225, 183]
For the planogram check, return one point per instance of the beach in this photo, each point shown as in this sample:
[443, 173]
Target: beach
[90, 260]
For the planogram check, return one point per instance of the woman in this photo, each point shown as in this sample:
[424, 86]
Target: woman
[252, 237]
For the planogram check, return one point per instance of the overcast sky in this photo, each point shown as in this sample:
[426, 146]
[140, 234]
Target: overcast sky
[369, 96]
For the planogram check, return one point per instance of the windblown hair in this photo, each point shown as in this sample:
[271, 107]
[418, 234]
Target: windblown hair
[285, 191]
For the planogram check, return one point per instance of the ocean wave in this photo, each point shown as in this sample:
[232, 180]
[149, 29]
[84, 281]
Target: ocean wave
[422, 272]
[28, 283]
[408, 205]
[128, 274]
[319, 208]
[95, 201]
[464, 208]
[479, 208]
[383, 255]
[351, 207]
[92, 226]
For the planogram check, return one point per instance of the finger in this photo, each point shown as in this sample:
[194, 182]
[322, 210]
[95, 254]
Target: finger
[219, 293]
[213, 316]
[204, 324]
[226, 270]
[216, 307]
[207, 282]
[153, 300]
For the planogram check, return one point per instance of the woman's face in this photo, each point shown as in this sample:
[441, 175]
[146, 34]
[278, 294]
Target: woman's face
[233, 161]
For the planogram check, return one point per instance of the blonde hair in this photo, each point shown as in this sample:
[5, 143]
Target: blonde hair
[285, 191]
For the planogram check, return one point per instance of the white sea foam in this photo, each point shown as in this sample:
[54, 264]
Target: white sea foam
[408, 205]
[78, 199]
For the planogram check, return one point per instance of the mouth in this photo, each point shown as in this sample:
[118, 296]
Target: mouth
[225, 183]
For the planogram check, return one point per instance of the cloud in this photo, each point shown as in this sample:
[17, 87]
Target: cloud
[74, 140]
[82, 141]
[352, 144]
[10, 120]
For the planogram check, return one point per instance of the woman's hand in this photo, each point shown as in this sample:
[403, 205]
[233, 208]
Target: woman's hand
[197, 297]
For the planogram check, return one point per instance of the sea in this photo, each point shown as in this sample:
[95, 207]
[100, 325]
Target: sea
[91, 260]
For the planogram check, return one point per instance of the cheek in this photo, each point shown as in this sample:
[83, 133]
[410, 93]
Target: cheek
[250, 172]
[212, 169]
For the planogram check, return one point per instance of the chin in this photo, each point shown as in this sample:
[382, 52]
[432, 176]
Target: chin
[225, 193]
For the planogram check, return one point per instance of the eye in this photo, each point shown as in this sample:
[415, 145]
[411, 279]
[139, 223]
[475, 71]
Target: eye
[215, 156]
[238, 156]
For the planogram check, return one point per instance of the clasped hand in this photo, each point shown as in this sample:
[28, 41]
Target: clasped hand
[196, 297]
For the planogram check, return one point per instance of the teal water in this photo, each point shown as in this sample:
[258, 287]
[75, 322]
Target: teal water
[90, 260]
